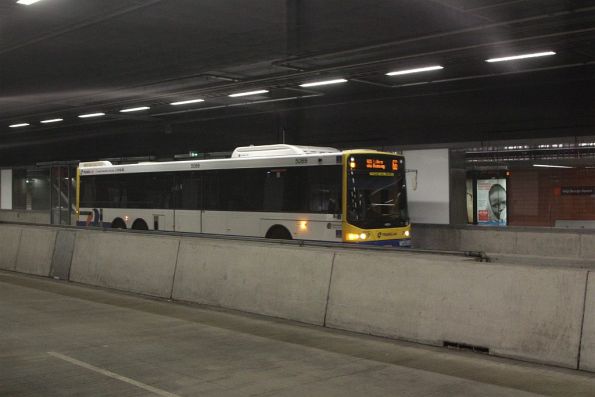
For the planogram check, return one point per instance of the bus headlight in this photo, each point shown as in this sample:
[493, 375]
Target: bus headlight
[407, 233]
[357, 236]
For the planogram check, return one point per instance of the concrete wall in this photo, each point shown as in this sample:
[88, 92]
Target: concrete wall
[6, 189]
[9, 246]
[27, 249]
[36, 247]
[130, 262]
[527, 312]
[515, 311]
[587, 361]
[37, 217]
[280, 281]
[544, 242]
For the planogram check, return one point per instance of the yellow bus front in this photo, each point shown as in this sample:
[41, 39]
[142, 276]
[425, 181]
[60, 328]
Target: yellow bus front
[375, 199]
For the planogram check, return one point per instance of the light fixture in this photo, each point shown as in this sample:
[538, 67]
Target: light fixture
[137, 109]
[323, 82]
[19, 125]
[89, 115]
[187, 102]
[522, 56]
[416, 70]
[51, 121]
[551, 166]
[27, 2]
[248, 93]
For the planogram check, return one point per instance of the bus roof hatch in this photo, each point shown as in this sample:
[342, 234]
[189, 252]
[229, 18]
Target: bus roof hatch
[279, 150]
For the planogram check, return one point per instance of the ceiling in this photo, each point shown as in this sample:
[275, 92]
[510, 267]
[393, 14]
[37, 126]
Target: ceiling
[64, 58]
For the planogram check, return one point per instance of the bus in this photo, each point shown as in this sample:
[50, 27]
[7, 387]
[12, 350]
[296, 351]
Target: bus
[273, 191]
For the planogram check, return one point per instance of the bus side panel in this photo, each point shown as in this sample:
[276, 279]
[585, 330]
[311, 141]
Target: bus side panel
[256, 224]
[188, 221]
[103, 217]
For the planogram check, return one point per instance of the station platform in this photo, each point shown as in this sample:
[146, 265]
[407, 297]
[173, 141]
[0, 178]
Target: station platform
[64, 339]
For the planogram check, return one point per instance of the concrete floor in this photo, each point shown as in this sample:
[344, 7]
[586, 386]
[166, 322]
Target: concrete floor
[61, 339]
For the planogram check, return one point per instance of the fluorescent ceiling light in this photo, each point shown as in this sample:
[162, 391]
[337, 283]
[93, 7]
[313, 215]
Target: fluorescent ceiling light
[19, 125]
[551, 166]
[187, 102]
[89, 115]
[416, 70]
[27, 2]
[324, 82]
[515, 57]
[138, 109]
[248, 93]
[51, 121]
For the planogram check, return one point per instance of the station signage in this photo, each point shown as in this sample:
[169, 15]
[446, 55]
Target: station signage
[577, 190]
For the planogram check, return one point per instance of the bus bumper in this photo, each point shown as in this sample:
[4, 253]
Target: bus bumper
[406, 242]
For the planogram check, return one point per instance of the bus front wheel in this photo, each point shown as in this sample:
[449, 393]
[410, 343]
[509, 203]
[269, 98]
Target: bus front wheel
[278, 232]
[140, 224]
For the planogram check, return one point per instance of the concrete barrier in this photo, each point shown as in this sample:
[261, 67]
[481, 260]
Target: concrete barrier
[587, 361]
[125, 261]
[36, 247]
[518, 311]
[488, 240]
[36, 217]
[566, 245]
[515, 311]
[438, 238]
[62, 257]
[588, 247]
[281, 281]
[9, 246]
[527, 241]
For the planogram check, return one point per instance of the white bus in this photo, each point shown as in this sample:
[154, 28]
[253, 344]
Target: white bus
[273, 191]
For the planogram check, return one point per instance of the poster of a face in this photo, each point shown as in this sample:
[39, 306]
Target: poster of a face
[491, 202]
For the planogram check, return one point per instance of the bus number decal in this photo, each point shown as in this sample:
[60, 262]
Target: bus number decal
[301, 161]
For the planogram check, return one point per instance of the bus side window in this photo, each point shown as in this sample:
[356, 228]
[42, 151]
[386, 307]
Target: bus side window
[212, 186]
[189, 191]
[273, 190]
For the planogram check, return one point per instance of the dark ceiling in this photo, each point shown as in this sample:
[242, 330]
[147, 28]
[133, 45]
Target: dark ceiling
[63, 58]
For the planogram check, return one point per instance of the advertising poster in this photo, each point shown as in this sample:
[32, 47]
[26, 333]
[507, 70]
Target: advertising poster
[491, 202]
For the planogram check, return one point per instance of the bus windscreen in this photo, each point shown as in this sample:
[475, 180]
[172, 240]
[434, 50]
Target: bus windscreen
[376, 192]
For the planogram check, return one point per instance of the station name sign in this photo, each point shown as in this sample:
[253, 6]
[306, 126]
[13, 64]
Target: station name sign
[577, 190]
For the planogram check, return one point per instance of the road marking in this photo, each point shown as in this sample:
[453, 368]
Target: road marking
[105, 372]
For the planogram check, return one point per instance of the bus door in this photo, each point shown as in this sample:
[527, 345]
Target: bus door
[188, 206]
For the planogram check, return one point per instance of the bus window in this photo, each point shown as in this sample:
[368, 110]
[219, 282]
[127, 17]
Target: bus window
[189, 191]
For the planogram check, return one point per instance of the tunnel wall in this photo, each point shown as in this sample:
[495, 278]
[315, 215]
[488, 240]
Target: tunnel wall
[538, 314]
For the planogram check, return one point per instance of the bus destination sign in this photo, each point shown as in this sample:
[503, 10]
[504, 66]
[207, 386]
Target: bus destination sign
[378, 164]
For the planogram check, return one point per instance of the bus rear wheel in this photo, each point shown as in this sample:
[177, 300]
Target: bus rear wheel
[279, 232]
[118, 223]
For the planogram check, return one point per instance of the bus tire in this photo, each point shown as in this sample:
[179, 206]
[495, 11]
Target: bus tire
[278, 232]
[140, 224]
[118, 223]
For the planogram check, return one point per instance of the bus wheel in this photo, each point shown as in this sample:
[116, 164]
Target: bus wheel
[140, 224]
[278, 232]
[118, 223]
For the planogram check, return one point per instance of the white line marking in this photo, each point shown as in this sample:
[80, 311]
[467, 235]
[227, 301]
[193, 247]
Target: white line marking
[105, 372]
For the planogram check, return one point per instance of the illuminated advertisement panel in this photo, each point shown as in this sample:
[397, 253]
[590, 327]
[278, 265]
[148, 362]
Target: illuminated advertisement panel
[491, 202]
